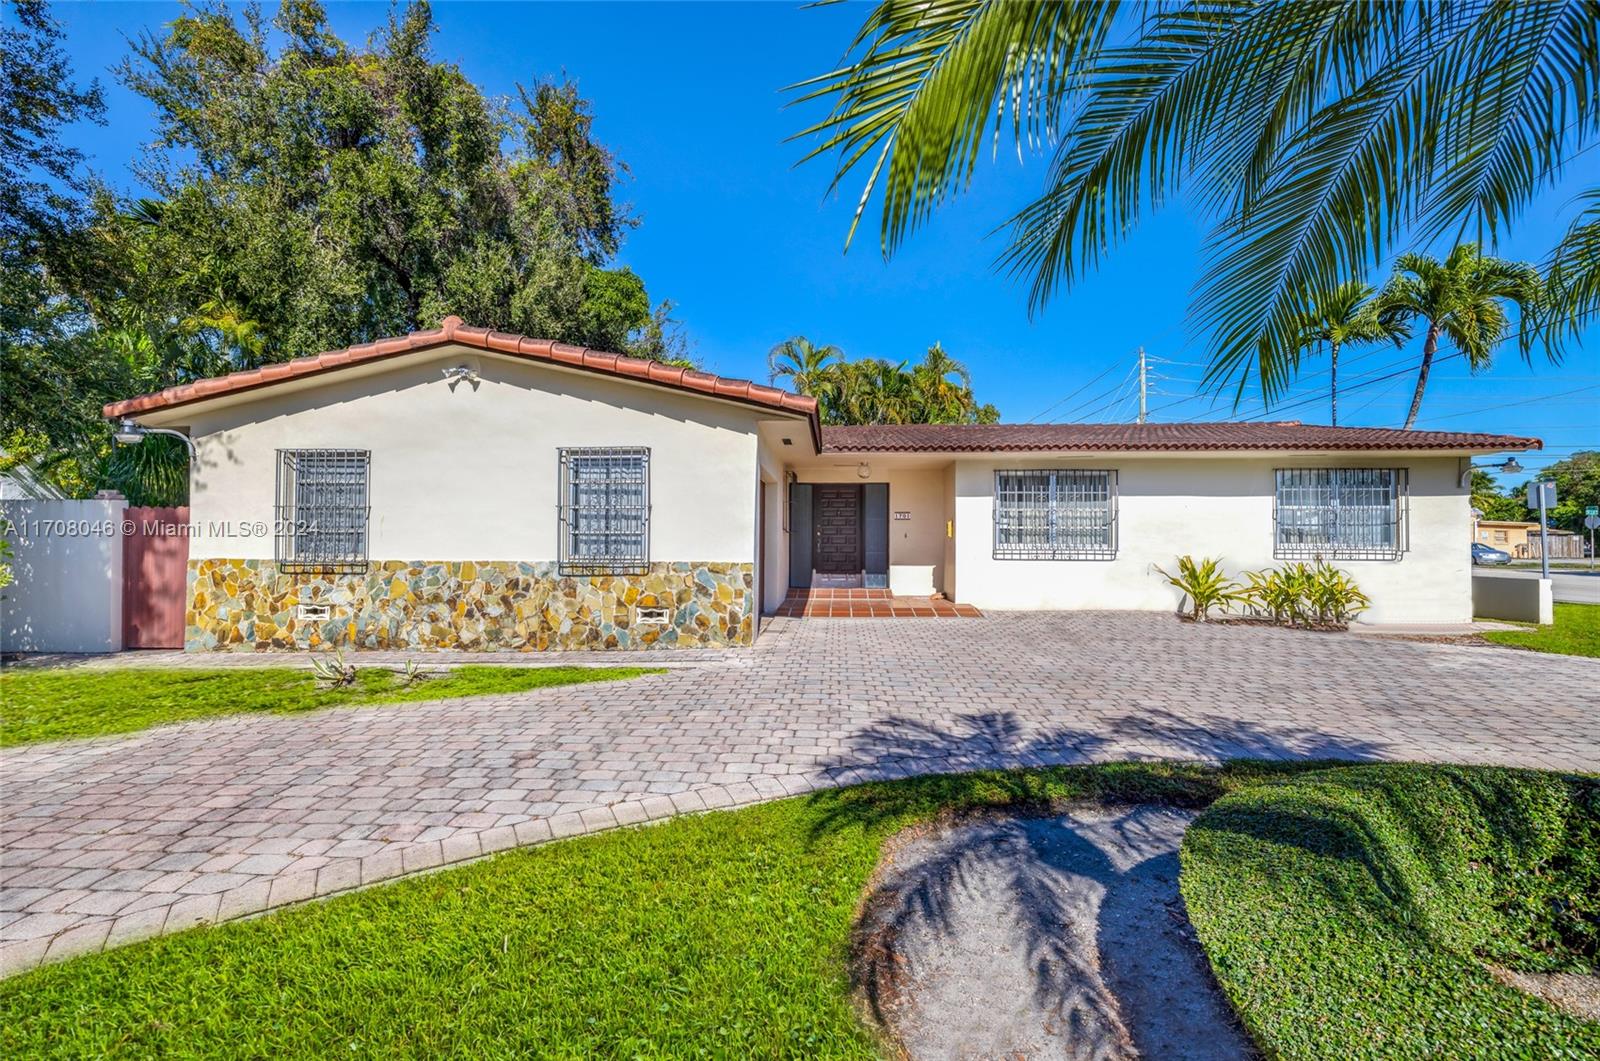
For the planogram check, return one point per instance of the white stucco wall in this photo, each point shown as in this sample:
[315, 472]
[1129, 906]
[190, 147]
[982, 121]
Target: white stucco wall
[916, 544]
[471, 473]
[67, 561]
[1215, 506]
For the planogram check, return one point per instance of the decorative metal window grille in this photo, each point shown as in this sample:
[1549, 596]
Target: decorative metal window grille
[1341, 513]
[321, 513]
[1055, 514]
[605, 511]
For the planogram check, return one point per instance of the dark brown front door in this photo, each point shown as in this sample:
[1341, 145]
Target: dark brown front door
[837, 519]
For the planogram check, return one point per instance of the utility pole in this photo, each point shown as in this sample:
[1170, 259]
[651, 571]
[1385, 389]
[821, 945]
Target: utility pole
[1143, 386]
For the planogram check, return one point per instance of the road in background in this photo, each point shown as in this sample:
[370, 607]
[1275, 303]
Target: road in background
[1570, 587]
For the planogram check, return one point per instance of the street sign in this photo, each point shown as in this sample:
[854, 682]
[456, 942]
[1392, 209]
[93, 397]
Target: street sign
[1549, 491]
[1591, 522]
[1591, 510]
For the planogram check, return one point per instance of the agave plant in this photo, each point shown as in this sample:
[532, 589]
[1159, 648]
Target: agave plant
[1203, 584]
[333, 672]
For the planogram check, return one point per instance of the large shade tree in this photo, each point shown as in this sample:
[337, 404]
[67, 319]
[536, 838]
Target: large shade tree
[334, 194]
[301, 194]
[1319, 136]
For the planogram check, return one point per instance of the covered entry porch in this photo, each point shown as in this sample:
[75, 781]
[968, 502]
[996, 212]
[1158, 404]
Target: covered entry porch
[884, 524]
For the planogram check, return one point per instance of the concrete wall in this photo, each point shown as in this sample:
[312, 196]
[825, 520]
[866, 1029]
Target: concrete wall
[67, 562]
[916, 544]
[1217, 506]
[470, 472]
[1515, 599]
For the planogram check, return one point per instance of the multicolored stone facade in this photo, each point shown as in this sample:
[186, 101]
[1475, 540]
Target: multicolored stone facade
[483, 607]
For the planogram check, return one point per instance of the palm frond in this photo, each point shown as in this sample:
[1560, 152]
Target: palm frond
[924, 81]
[1572, 291]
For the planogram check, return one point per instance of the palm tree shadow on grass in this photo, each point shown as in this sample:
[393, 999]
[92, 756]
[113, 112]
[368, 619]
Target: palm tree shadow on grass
[972, 766]
[1069, 916]
[973, 762]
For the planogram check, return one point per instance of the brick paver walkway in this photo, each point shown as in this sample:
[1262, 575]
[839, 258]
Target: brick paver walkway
[112, 839]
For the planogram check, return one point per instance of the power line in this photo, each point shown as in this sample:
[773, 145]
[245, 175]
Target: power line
[1074, 394]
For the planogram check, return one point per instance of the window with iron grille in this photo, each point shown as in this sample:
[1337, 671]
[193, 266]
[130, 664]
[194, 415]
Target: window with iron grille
[1340, 513]
[1055, 514]
[605, 511]
[321, 513]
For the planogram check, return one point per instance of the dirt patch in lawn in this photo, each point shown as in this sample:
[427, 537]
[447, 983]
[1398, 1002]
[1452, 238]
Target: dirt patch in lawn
[1060, 936]
[1574, 993]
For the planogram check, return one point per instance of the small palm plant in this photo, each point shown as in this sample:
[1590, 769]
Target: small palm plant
[1333, 595]
[1203, 584]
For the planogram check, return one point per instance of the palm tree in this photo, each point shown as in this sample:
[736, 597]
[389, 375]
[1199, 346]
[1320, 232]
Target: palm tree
[1346, 316]
[1317, 136]
[810, 369]
[1462, 298]
[940, 398]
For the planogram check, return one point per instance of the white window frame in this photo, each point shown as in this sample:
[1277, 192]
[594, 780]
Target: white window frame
[1068, 513]
[1325, 513]
[323, 512]
[603, 522]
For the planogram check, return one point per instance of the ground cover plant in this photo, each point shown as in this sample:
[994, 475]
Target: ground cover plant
[1355, 912]
[39, 704]
[1576, 632]
[727, 934]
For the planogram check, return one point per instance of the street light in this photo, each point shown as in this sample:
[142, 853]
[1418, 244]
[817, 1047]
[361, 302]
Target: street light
[1509, 467]
[129, 433]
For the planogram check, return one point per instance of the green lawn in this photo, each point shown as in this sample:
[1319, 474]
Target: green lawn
[1576, 632]
[1349, 913]
[38, 704]
[721, 934]
[727, 935]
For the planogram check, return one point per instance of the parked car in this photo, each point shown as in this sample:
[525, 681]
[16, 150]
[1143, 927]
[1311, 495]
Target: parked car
[1483, 554]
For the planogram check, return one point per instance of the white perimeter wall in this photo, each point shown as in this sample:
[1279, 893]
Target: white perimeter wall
[471, 473]
[1218, 507]
[67, 563]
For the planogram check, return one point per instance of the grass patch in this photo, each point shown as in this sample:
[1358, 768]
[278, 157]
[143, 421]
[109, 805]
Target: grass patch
[39, 704]
[721, 934]
[1575, 632]
[1350, 912]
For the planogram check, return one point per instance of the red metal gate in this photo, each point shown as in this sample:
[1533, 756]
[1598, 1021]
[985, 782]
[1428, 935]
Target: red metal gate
[155, 575]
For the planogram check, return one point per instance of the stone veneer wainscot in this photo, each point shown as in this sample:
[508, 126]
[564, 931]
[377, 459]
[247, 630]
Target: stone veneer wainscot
[478, 606]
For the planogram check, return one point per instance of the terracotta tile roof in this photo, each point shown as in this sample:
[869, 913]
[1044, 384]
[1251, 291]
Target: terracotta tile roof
[453, 331]
[1270, 435]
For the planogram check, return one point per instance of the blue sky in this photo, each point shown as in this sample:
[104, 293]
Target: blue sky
[746, 244]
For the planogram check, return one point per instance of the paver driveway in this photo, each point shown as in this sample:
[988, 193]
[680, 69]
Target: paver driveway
[111, 839]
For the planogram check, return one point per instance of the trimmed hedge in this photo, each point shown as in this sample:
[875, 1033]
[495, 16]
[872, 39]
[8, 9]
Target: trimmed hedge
[1352, 912]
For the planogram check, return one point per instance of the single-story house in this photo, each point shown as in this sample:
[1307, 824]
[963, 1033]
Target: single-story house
[1521, 539]
[467, 488]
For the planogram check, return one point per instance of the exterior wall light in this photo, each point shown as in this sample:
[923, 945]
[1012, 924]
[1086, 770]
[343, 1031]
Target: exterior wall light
[130, 433]
[1509, 467]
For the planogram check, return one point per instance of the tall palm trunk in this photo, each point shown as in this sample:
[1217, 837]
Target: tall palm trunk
[1333, 388]
[1428, 349]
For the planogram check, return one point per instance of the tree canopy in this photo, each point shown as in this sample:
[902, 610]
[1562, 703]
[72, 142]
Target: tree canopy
[936, 390]
[302, 194]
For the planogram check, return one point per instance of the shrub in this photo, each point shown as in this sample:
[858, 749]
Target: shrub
[1300, 594]
[1204, 585]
